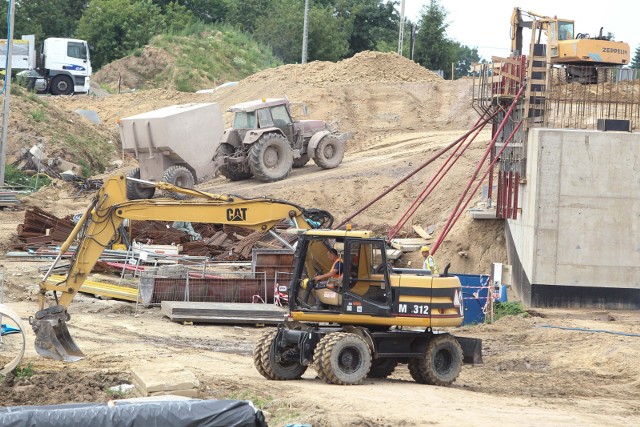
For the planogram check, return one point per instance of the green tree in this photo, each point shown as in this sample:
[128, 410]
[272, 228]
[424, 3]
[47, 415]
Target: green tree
[44, 18]
[466, 56]
[434, 49]
[246, 15]
[115, 28]
[635, 61]
[208, 11]
[282, 26]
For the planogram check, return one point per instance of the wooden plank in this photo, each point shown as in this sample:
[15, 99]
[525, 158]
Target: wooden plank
[422, 232]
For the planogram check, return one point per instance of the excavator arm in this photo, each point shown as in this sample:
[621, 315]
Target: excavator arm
[99, 226]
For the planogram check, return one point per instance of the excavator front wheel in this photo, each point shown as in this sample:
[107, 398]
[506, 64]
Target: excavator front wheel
[346, 359]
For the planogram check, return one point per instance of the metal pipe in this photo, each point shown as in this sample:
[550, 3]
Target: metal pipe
[475, 173]
[478, 124]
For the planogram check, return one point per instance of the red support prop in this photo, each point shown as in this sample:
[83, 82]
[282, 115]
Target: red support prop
[515, 196]
[507, 115]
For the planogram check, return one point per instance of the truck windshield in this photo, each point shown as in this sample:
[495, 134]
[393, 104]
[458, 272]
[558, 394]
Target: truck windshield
[77, 50]
[244, 120]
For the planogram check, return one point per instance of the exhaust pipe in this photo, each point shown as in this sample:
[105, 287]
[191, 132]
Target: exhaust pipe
[53, 340]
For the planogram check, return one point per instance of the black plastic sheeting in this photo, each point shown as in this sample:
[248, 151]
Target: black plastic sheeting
[137, 413]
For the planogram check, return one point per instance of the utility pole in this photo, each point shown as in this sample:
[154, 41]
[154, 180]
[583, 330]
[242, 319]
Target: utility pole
[401, 35]
[305, 32]
[7, 94]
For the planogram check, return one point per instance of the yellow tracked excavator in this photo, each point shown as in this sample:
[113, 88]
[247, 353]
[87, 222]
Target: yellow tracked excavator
[369, 320]
[580, 54]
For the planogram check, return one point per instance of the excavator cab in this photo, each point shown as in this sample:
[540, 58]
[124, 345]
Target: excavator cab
[364, 287]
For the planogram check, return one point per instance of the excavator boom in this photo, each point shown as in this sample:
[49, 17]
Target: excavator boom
[99, 226]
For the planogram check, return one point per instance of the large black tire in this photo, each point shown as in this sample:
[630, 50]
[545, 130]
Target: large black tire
[267, 363]
[442, 362]
[301, 161]
[318, 356]
[180, 177]
[62, 85]
[270, 158]
[232, 171]
[346, 359]
[329, 152]
[382, 368]
[136, 191]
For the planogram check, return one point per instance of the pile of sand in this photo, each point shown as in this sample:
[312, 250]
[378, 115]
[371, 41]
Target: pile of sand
[364, 67]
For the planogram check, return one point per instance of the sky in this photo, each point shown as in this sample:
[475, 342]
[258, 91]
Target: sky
[486, 24]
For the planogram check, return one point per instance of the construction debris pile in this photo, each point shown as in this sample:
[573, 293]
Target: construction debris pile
[41, 230]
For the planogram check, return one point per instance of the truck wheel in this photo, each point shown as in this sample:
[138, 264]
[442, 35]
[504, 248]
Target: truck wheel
[267, 361]
[329, 152]
[382, 368]
[346, 359]
[135, 190]
[301, 161]
[442, 362]
[180, 177]
[270, 158]
[62, 85]
[232, 171]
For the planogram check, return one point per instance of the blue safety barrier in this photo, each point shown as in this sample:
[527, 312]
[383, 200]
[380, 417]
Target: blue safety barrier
[475, 288]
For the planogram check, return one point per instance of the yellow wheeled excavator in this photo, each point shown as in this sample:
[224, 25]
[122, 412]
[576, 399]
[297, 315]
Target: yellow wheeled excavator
[99, 227]
[373, 318]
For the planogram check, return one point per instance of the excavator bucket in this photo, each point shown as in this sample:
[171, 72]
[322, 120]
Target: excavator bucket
[53, 340]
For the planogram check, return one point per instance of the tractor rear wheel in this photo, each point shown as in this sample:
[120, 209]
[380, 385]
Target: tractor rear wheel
[270, 158]
[180, 177]
[232, 171]
[329, 152]
[382, 368]
[346, 359]
[442, 363]
[301, 161]
[136, 190]
[269, 363]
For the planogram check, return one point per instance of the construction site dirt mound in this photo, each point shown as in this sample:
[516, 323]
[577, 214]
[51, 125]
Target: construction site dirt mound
[136, 71]
[364, 67]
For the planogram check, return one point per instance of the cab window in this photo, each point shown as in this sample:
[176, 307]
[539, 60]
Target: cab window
[244, 120]
[280, 115]
[76, 50]
[264, 118]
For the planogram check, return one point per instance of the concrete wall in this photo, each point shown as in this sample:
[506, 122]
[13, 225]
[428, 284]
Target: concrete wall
[580, 219]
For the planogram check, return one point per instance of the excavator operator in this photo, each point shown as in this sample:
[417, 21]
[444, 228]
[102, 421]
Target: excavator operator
[333, 276]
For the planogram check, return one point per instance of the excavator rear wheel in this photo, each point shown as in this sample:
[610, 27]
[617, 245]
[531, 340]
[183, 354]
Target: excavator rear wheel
[135, 190]
[442, 363]
[382, 368]
[270, 158]
[268, 363]
[346, 359]
[318, 355]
